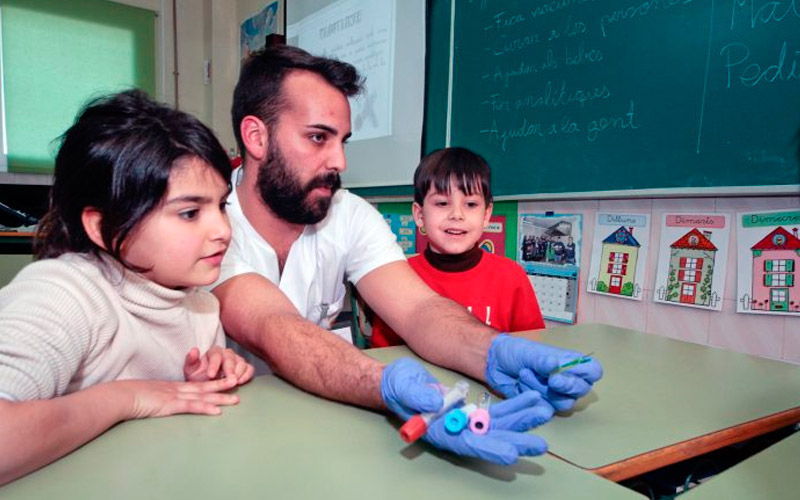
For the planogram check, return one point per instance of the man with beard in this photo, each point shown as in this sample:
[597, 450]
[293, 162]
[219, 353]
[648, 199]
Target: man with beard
[296, 237]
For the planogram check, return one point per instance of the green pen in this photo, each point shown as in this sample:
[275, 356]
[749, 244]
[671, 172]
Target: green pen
[577, 361]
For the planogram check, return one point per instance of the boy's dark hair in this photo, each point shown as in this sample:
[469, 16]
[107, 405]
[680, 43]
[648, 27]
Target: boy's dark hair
[469, 170]
[117, 158]
[259, 93]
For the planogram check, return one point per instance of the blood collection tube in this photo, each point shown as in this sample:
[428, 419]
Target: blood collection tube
[458, 418]
[417, 425]
[479, 419]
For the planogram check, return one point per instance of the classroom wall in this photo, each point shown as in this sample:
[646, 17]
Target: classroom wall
[207, 30]
[10, 265]
[776, 337]
[224, 68]
[193, 42]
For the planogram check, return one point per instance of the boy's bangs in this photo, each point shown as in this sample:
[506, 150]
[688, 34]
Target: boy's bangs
[469, 184]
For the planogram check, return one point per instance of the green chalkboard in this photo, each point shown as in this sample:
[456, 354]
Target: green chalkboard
[583, 96]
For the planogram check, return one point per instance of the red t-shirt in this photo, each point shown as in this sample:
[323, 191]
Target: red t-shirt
[497, 291]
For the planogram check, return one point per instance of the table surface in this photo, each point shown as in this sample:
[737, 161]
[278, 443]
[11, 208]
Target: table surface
[280, 442]
[660, 400]
[770, 474]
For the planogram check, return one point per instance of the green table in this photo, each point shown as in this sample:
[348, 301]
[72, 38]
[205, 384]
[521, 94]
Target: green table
[771, 474]
[283, 443]
[662, 400]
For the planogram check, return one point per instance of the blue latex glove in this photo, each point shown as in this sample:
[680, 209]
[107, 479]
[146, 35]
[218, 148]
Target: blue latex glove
[515, 365]
[407, 389]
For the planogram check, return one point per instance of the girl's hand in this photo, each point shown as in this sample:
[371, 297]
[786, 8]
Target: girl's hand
[198, 368]
[160, 398]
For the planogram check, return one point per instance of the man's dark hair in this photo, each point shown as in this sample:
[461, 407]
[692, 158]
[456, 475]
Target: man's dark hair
[117, 158]
[468, 170]
[259, 93]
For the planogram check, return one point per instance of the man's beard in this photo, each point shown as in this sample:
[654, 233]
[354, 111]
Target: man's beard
[281, 190]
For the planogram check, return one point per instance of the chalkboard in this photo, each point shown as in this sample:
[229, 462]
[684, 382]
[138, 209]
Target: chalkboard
[584, 96]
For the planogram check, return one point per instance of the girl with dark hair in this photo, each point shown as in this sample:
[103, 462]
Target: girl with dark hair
[109, 324]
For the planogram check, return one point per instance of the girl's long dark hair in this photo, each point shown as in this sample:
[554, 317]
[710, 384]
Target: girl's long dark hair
[117, 158]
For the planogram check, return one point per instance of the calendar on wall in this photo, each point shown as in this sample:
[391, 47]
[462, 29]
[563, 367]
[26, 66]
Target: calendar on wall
[549, 249]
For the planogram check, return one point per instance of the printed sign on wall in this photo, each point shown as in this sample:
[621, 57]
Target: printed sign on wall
[768, 254]
[692, 259]
[619, 255]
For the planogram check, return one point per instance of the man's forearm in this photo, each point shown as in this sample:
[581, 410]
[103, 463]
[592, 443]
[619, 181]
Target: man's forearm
[446, 334]
[260, 317]
[315, 360]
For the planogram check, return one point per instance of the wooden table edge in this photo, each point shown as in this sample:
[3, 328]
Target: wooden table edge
[651, 460]
[26, 234]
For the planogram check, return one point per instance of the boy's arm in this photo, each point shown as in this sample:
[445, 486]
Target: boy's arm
[43, 430]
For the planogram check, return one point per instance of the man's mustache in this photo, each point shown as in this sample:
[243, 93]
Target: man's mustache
[331, 181]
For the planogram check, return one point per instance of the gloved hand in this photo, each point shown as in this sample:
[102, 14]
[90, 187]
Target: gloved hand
[407, 389]
[515, 365]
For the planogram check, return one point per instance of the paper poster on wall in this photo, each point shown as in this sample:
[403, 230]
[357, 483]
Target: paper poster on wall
[360, 32]
[254, 30]
[619, 255]
[692, 258]
[493, 239]
[768, 255]
[404, 228]
[549, 249]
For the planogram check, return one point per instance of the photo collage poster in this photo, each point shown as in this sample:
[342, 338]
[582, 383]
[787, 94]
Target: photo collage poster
[619, 255]
[768, 254]
[693, 254]
[549, 249]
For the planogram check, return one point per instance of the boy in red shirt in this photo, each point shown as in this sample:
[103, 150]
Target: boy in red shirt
[453, 205]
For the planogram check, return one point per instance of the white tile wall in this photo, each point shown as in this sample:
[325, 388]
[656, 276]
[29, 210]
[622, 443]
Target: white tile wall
[791, 342]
